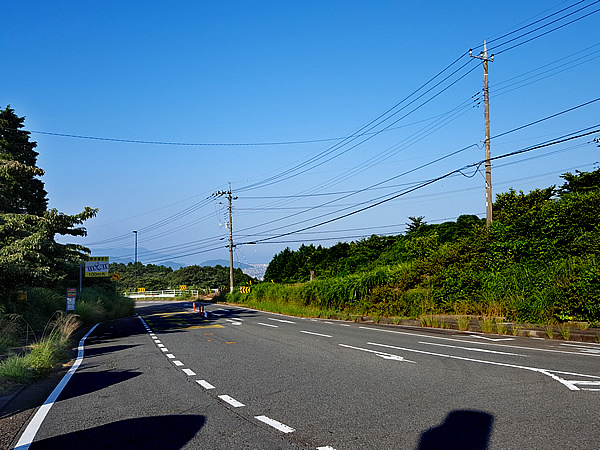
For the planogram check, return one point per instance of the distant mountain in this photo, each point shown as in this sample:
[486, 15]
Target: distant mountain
[126, 256]
[225, 263]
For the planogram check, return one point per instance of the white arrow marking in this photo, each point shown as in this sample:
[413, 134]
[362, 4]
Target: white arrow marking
[377, 353]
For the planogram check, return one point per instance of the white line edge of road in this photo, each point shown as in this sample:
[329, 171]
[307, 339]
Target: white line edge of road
[29, 434]
[315, 334]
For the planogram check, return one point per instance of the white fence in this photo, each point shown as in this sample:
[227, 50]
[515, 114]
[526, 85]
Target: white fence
[169, 293]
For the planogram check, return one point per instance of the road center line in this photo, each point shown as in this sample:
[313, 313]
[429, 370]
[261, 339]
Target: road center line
[205, 384]
[315, 334]
[268, 325]
[232, 401]
[189, 372]
[275, 424]
[178, 363]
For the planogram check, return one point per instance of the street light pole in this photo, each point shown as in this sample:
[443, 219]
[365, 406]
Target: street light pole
[135, 262]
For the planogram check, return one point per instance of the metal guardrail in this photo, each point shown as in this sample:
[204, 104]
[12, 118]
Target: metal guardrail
[169, 293]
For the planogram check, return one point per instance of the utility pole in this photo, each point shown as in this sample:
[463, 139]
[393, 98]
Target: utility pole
[230, 197]
[488, 163]
[135, 263]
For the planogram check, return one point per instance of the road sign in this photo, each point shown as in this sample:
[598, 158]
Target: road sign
[116, 277]
[141, 289]
[182, 287]
[71, 299]
[96, 266]
[245, 289]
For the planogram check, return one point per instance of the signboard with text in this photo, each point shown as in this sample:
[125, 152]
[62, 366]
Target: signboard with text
[96, 266]
[71, 299]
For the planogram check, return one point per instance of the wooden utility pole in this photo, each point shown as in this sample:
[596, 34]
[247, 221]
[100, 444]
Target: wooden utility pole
[488, 163]
[230, 197]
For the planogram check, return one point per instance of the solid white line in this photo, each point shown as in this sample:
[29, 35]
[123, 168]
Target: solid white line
[189, 372]
[280, 320]
[382, 354]
[278, 425]
[268, 325]
[33, 427]
[232, 401]
[316, 334]
[178, 363]
[473, 349]
[171, 356]
[205, 384]
[495, 344]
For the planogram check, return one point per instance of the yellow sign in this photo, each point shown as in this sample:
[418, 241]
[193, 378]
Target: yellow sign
[141, 289]
[116, 277]
[96, 266]
[245, 289]
[182, 287]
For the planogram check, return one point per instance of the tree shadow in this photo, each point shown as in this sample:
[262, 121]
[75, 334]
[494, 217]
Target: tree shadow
[462, 429]
[86, 382]
[162, 432]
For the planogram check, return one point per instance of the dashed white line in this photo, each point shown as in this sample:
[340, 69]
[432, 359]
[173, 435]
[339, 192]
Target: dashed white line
[189, 372]
[315, 334]
[268, 325]
[164, 349]
[232, 401]
[205, 384]
[178, 363]
[345, 325]
[160, 345]
[280, 320]
[275, 424]
[170, 356]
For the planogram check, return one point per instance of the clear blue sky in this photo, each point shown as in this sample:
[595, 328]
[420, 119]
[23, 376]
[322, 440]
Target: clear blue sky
[273, 72]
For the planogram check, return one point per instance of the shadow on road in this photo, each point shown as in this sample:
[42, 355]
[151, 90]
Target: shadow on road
[462, 429]
[86, 382]
[90, 352]
[162, 432]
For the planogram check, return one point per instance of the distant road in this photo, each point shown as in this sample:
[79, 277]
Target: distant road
[247, 379]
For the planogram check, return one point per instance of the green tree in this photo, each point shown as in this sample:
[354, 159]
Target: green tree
[20, 191]
[580, 182]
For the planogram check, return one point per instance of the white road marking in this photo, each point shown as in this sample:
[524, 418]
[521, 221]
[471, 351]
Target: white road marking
[189, 372]
[491, 339]
[268, 325]
[549, 372]
[29, 434]
[330, 323]
[232, 401]
[178, 363]
[164, 349]
[280, 320]
[377, 353]
[383, 330]
[205, 384]
[171, 356]
[160, 345]
[345, 325]
[233, 322]
[275, 424]
[156, 341]
[327, 447]
[315, 334]
[473, 349]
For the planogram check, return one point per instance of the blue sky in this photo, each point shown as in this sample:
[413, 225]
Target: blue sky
[252, 73]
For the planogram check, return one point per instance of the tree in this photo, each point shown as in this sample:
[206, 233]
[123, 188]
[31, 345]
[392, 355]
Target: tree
[29, 254]
[580, 182]
[20, 191]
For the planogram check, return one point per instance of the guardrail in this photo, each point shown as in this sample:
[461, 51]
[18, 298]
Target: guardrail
[169, 293]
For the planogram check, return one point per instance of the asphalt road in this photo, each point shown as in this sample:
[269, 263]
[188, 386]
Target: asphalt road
[169, 378]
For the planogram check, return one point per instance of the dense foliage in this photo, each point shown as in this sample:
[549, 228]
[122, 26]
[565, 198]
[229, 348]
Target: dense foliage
[537, 262]
[154, 278]
[30, 257]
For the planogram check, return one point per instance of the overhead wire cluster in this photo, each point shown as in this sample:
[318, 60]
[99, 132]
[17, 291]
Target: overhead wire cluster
[309, 217]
